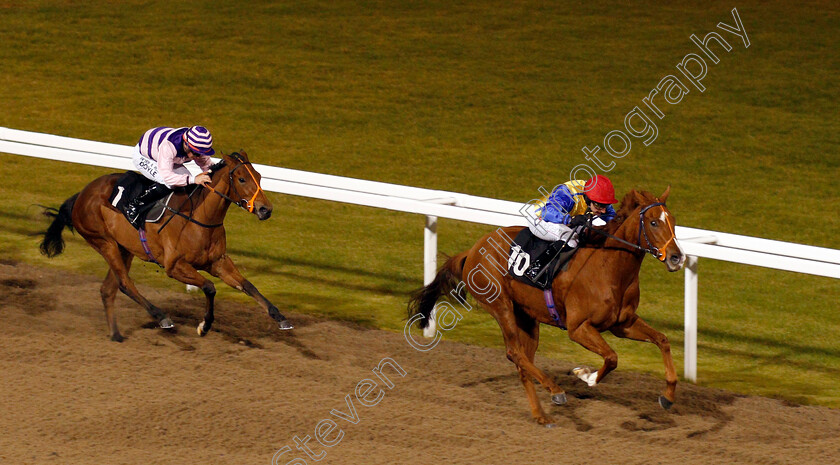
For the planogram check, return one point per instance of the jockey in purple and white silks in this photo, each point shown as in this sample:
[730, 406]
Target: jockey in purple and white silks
[160, 156]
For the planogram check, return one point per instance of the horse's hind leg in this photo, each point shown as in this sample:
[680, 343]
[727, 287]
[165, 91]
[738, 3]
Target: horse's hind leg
[529, 338]
[591, 339]
[113, 255]
[521, 347]
[108, 291]
[641, 331]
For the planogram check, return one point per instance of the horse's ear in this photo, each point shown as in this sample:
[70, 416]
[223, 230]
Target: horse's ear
[662, 198]
[244, 155]
[638, 197]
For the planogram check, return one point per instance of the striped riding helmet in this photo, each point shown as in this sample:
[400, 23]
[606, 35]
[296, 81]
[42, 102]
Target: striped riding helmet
[199, 141]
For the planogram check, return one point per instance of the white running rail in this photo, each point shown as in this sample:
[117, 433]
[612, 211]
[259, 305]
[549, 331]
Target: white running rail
[436, 204]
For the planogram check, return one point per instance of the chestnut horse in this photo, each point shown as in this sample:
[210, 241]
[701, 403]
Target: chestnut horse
[193, 239]
[598, 291]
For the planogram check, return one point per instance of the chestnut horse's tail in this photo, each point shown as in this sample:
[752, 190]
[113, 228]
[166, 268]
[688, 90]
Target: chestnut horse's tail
[423, 300]
[53, 244]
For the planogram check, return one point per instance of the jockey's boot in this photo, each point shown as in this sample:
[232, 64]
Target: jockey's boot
[151, 195]
[540, 263]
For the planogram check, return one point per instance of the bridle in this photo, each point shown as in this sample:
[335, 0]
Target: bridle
[651, 249]
[248, 204]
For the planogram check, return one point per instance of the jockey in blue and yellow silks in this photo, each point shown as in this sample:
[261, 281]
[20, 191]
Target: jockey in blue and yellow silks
[560, 213]
[564, 214]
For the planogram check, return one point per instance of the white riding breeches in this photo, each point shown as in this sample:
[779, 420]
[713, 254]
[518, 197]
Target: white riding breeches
[550, 231]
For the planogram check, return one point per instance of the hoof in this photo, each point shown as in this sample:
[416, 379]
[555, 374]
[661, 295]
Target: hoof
[665, 403]
[117, 337]
[559, 399]
[200, 330]
[166, 323]
[579, 371]
[550, 425]
[586, 375]
[285, 325]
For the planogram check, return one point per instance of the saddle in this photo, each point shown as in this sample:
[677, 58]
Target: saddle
[132, 184]
[524, 265]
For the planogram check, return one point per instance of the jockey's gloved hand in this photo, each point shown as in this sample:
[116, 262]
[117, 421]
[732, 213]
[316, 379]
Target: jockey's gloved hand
[580, 220]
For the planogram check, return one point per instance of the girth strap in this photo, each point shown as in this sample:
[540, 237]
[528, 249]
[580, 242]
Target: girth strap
[549, 302]
[143, 242]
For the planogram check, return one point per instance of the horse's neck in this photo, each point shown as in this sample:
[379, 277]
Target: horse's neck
[629, 228]
[214, 207]
[628, 231]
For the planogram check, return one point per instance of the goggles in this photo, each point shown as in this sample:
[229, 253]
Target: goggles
[593, 203]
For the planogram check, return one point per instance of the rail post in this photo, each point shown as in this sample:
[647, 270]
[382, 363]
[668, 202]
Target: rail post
[690, 368]
[430, 264]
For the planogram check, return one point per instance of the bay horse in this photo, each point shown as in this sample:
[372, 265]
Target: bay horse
[192, 240]
[597, 292]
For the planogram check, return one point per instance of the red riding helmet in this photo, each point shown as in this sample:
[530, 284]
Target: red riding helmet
[600, 189]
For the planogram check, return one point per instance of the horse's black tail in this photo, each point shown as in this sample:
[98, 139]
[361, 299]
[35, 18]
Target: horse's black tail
[423, 300]
[53, 243]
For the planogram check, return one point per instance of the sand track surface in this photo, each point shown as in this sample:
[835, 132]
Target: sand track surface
[70, 395]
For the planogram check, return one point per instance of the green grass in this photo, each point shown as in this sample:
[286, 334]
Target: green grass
[487, 98]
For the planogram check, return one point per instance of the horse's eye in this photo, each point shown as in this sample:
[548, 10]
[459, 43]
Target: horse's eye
[242, 180]
[654, 223]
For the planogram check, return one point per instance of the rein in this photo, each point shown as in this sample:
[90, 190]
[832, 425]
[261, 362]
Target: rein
[188, 218]
[248, 206]
[656, 252]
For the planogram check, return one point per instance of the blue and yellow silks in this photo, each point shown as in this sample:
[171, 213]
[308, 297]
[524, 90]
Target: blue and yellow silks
[566, 201]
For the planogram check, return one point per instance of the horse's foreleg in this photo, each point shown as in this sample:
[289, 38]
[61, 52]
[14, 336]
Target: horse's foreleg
[113, 254]
[184, 272]
[225, 270]
[641, 331]
[591, 339]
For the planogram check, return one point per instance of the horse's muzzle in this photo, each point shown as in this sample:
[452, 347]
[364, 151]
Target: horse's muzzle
[675, 261]
[263, 213]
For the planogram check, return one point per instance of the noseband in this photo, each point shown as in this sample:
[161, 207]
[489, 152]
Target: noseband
[651, 249]
[248, 205]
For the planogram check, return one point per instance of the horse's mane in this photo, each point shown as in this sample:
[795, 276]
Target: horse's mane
[629, 203]
[236, 156]
[217, 166]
